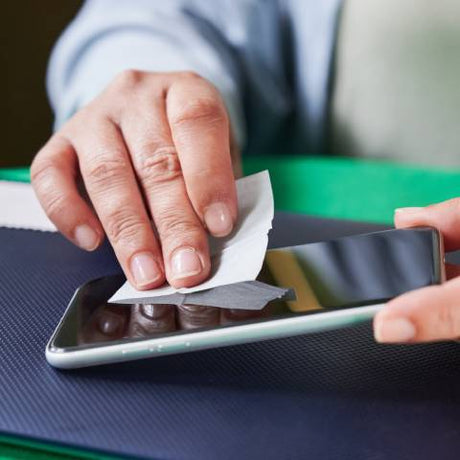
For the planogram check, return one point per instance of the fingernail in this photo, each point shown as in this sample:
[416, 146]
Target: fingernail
[145, 269]
[395, 330]
[218, 219]
[185, 262]
[86, 237]
[410, 210]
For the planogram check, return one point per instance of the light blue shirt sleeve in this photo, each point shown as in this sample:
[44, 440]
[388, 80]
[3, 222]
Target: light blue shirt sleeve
[270, 60]
[109, 36]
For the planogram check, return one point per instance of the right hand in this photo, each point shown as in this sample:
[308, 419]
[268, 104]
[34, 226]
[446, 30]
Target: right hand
[151, 146]
[431, 313]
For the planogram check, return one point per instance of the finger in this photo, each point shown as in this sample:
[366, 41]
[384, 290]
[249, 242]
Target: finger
[235, 155]
[428, 314]
[54, 173]
[106, 323]
[149, 320]
[197, 316]
[183, 238]
[200, 130]
[112, 187]
[444, 216]
[452, 271]
[234, 315]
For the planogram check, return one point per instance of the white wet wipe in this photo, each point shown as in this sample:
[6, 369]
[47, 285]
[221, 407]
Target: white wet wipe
[235, 259]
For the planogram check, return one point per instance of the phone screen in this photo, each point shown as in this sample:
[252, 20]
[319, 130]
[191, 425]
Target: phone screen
[343, 273]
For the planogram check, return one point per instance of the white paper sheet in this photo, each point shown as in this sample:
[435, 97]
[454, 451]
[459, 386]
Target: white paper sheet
[239, 256]
[19, 208]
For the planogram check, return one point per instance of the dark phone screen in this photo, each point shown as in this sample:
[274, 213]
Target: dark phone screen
[347, 272]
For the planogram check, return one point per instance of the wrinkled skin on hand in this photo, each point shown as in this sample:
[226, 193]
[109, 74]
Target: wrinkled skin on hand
[151, 147]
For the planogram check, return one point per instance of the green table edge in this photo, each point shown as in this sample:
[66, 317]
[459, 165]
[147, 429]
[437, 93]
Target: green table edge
[15, 174]
[13, 447]
[353, 189]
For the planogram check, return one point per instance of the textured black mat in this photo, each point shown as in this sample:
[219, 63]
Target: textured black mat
[329, 395]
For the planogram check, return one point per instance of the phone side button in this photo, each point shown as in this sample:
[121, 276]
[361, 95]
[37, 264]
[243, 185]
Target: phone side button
[173, 347]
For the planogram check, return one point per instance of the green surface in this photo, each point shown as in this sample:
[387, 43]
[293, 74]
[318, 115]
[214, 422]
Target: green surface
[321, 186]
[12, 447]
[353, 189]
[15, 174]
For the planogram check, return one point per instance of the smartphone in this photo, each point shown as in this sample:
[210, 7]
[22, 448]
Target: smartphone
[336, 283]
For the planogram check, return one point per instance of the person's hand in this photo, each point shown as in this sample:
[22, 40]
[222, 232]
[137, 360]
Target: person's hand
[431, 313]
[150, 146]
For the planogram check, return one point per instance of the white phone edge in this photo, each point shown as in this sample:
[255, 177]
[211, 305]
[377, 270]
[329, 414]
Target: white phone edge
[194, 341]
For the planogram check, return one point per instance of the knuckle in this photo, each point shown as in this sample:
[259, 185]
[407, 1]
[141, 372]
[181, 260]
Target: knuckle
[92, 116]
[43, 174]
[103, 172]
[128, 78]
[86, 115]
[158, 165]
[174, 224]
[55, 204]
[123, 226]
[49, 159]
[190, 75]
[41, 169]
[207, 109]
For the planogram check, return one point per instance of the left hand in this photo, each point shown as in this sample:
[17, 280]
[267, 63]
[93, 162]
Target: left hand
[431, 313]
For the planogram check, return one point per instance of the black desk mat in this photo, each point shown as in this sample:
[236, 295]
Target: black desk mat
[327, 395]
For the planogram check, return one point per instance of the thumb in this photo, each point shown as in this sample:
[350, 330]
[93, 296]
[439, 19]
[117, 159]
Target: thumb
[444, 216]
[427, 314]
